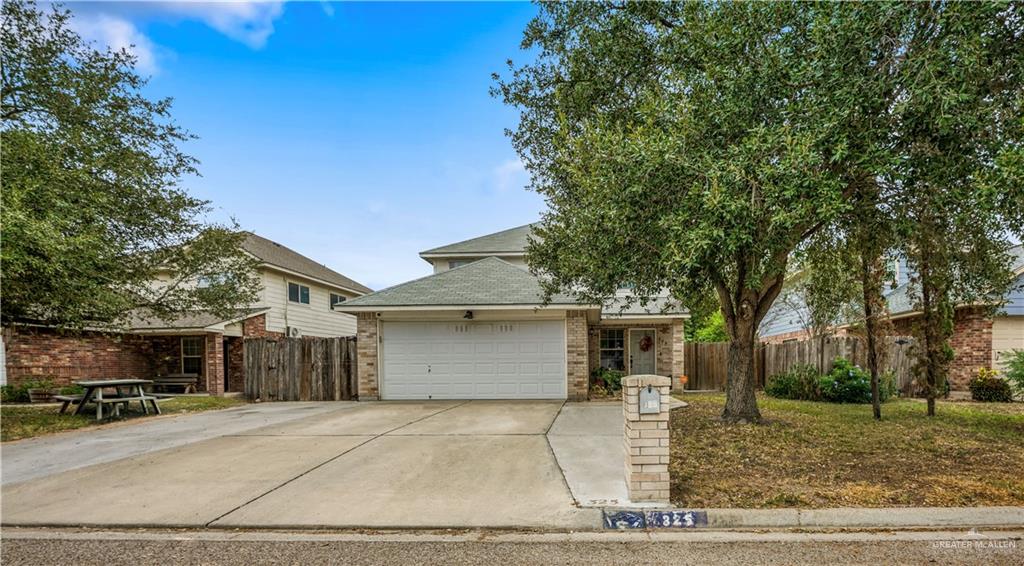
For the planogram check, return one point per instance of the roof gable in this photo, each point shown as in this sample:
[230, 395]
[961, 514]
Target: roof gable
[507, 242]
[489, 281]
[274, 254]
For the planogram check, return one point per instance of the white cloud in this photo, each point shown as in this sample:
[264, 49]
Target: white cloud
[510, 174]
[104, 30]
[250, 23]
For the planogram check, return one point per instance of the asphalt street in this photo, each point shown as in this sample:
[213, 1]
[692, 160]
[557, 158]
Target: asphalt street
[490, 548]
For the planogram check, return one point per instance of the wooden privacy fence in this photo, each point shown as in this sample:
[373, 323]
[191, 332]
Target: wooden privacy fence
[300, 369]
[707, 363]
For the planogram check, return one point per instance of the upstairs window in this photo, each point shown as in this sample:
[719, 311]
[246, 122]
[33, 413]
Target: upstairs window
[613, 349]
[298, 293]
[336, 299]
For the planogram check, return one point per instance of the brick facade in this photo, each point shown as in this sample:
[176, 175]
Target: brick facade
[576, 357]
[40, 353]
[43, 353]
[668, 357]
[971, 342]
[366, 357]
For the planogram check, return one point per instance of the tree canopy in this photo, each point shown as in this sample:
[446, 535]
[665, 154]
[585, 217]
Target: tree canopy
[93, 210]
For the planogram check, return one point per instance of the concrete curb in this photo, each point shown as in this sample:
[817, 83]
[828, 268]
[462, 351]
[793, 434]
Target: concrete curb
[852, 517]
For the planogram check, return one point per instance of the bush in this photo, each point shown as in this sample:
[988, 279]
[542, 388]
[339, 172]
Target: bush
[1015, 370]
[14, 394]
[988, 387]
[609, 379]
[800, 382]
[846, 383]
[72, 390]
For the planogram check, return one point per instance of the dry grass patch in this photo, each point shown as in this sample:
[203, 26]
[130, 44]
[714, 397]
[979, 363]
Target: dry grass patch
[826, 455]
[25, 421]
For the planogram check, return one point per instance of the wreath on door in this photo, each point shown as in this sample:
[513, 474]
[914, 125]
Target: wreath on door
[646, 343]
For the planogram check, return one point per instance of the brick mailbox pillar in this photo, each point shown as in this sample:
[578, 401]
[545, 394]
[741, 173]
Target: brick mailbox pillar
[646, 437]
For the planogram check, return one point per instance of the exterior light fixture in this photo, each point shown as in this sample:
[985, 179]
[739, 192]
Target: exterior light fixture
[468, 315]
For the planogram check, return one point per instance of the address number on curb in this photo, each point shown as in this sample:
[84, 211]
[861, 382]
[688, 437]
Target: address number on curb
[676, 519]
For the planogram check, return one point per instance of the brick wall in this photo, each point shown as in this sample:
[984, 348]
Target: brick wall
[366, 354]
[577, 360]
[213, 364]
[236, 364]
[44, 353]
[678, 352]
[257, 327]
[971, 342]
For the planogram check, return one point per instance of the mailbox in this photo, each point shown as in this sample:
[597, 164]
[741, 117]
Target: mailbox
[650, 401]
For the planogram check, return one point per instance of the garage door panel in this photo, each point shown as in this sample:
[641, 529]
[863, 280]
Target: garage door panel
[500, 360]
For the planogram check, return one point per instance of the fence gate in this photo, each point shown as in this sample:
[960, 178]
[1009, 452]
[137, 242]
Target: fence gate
[300, 369]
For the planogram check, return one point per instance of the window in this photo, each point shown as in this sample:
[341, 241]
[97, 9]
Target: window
[458, 263]
[613, 349]
[192, 354]
[336, 299]
[206, 281]
[298, 293]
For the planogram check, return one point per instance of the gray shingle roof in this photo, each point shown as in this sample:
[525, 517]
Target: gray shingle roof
[658, 306]
[273, 253]
[511, 241]
[489, 281]
[141, 320]
[899, 299]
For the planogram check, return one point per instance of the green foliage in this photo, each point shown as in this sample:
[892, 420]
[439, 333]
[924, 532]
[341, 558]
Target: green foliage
[610, 380]
[92, 208]
[988, 387]
[801, 382]
[14, 394]
[74, 389]
[845, 383]
[1015, 370]
[711, 329]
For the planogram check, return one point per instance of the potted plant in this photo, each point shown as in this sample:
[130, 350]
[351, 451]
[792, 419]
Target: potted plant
[41, 391]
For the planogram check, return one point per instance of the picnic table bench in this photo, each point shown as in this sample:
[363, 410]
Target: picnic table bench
[186, 381]
[128, 390]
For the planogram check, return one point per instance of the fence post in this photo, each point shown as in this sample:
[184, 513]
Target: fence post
[645, 404]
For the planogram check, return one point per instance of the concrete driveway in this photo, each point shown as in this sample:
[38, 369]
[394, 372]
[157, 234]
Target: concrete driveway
[381, 464]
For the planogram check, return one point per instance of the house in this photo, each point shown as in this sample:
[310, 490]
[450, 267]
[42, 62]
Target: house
[298, 297]
[477, 328]
[978, 340]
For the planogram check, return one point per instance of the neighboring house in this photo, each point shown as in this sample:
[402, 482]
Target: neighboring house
[298, 298]
[978, 340]
[478, 329]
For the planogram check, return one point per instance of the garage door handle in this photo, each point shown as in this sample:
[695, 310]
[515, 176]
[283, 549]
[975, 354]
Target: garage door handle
[428, 369]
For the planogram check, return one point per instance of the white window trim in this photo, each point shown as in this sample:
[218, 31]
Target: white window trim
[182, 356]
[625, 346]
[288, 295]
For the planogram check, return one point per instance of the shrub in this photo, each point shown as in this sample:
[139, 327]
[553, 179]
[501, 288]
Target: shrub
[846, 383]
[800, 382]
[72, 390]
[1015, 370]
[14, 393]
[609, 379]
[988, 387]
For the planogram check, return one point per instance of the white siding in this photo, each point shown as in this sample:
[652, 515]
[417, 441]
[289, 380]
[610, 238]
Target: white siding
[1007, 334]
[441, 264]
[314, 319]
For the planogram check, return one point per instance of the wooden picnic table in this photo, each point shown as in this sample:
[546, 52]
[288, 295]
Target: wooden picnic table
[134, 392]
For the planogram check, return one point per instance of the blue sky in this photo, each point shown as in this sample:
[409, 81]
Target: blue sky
[355, 133]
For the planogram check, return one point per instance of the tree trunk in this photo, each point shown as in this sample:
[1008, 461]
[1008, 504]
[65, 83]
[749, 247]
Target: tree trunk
[928, 320]
[740, 402]
[871, 293]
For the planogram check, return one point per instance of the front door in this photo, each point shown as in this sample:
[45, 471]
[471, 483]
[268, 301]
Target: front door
[641, 352]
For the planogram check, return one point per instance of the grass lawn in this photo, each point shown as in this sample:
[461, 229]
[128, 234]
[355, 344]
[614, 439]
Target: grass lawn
[825, 455]
[24, 421]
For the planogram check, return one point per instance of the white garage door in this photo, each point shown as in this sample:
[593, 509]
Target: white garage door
[473, 360]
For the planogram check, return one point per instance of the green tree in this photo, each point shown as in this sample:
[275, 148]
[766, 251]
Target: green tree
[92, 208]
[694, 147]
[958, 130]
